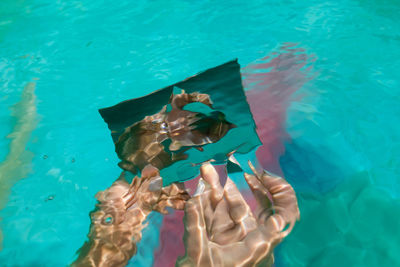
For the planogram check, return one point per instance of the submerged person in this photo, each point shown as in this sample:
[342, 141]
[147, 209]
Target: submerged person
[154, 132]
[220, 228]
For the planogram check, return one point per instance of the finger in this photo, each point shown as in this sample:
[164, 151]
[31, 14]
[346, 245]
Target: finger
[196, 239]
[237, 206]
[279, 212]
[286, 211]
[155, 184]
[239, 212]
[275, 224]
[150, 171]
[221, 222]
[148, 190]
[130, 196]
[210, 175]
[282, 193]
[261, 195]
[204, 192]
[133, 186]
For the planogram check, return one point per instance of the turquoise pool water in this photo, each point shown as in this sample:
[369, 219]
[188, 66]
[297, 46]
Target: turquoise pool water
[60, 61]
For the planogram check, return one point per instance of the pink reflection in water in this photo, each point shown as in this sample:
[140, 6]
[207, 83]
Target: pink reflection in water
[270, 94]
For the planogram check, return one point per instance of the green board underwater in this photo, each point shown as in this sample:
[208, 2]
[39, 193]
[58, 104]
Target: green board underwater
[225, 97]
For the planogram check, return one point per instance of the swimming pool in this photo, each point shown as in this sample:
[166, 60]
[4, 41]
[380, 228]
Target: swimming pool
[331, 70]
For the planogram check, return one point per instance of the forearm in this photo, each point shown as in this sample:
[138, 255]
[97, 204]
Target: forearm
[98, 253]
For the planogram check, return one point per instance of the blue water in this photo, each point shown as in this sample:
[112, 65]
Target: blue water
[342, 156]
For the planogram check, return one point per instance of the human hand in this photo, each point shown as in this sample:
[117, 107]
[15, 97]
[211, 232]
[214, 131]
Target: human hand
[117, 222]
[221, 230]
